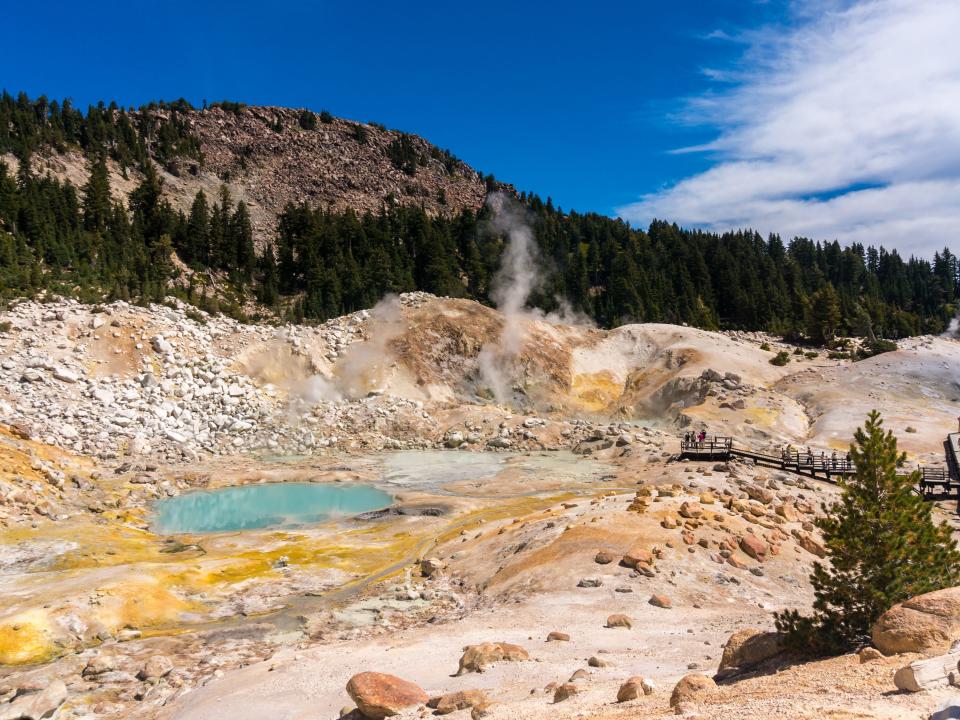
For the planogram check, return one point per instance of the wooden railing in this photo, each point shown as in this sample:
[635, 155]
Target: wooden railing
[935, 482]
[717, 445]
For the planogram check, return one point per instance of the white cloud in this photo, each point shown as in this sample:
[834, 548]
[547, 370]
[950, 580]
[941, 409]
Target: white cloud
[846, 126]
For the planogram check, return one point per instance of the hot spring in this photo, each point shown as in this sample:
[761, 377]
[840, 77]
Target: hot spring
[251, 507]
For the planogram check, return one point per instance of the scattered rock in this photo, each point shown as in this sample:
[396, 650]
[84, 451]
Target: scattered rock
[619, 620]
[460, 700]
[634, 688]
[379, 695]
[661, 601]
[565, 691]
[692, 688]
[477, 657]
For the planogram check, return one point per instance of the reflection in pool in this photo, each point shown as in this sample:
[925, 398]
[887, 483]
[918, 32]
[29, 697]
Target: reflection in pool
[268, 505]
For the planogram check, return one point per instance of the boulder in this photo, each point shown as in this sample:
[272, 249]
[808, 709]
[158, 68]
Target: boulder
[661, 601]
[637, 555]
[928, 624]
[477, 657]
[753, 546]
[460, 700]
[379, 695]
[634, 688]
[604, 557]
[747, 648]
[692, 688]
[431, 566]
[618, 620]
[556, 636]
[565, 691]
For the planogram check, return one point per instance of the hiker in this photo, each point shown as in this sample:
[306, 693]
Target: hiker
[809, 456]
[833, 460]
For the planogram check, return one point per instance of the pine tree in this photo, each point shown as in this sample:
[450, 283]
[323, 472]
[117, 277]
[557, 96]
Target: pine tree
[883, 547]
[97, 204]
[241, 237]
[824, 315]
[197, 243]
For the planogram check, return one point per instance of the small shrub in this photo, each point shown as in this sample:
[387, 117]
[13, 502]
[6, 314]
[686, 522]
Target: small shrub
[780, 359]
[835, 355]
[765, 346]
[876, 347]
[325, 117]
[307, 120]
[5, 326]
[360, 134]
[811, 355]
[798, 351]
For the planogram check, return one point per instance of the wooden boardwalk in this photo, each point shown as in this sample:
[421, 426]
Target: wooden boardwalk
[936, 483]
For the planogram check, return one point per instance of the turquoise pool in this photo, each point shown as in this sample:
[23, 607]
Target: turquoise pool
[250, 507]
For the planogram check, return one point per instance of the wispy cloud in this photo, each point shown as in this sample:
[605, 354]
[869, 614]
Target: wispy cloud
[845, 126]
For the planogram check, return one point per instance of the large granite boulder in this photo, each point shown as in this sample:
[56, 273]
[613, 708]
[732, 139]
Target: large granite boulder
[928, 624]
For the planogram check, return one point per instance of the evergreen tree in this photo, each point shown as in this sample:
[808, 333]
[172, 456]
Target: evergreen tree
[97, 203]
[196, 248]
[882, 544]
[824, 315]
[241, 238]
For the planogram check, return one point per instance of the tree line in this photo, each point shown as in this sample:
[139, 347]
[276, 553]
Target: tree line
[323, 263]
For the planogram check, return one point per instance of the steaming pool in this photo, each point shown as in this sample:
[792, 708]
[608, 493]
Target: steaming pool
[295, 504]
[251, 507]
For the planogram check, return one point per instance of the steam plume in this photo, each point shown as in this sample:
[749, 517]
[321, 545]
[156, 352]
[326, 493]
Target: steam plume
[516, 279]
[365, 366]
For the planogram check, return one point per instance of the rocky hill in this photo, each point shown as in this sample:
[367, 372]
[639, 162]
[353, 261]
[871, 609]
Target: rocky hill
[271, 157]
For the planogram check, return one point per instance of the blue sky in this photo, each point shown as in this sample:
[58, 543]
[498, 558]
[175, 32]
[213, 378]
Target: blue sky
[831, 118]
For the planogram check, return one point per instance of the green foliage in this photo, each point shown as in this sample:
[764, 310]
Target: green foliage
[360, 134]
[765, 346]
[824, 314]
[404, 154]
[157, 129]
[236, 108]
[5, 326]
[780, 359]
[811, 355]
[882, 544]
[307, 120]
[876, 346]
[325, 117]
